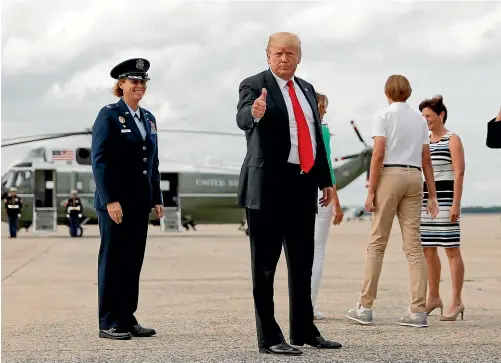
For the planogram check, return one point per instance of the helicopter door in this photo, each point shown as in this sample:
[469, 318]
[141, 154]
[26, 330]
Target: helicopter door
[170, 193]
[44, 208]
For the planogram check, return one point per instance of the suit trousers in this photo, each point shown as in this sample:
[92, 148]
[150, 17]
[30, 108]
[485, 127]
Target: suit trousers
[400, 193]
[120, 261]
[323, 223]
[289, 223]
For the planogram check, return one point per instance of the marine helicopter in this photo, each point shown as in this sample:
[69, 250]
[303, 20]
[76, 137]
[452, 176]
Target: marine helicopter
[205, 194]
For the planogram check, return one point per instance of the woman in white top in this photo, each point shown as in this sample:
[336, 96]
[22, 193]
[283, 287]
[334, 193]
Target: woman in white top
[401, 148]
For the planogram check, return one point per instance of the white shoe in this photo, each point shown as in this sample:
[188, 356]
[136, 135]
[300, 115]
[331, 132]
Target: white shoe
[317, 315]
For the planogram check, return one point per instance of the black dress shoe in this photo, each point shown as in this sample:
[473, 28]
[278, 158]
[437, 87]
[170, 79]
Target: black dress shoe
[115, 333]
[318, 342]
[281, 348]
[139, 331]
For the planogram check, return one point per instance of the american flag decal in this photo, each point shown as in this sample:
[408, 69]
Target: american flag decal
[62, 155]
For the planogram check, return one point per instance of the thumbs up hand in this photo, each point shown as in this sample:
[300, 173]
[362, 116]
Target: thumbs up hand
[498, 117]
[259, 107]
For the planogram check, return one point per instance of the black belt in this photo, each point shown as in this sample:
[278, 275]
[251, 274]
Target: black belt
[401, 166]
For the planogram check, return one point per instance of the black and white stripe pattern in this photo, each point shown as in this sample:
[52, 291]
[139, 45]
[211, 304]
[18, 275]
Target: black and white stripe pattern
[440, 232]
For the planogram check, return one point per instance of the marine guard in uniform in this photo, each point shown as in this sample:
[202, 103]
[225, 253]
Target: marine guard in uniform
[74, 210]
[13, 206]
[125, 167]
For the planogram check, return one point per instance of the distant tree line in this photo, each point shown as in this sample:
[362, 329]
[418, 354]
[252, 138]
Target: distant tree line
[481, 210]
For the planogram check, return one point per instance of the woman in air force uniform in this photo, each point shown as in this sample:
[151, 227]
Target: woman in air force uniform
[125, 168]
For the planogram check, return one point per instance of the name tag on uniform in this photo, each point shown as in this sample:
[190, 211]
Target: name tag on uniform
[125, 130]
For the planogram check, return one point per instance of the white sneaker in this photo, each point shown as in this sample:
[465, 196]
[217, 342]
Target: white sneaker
[317, 315]
[361, 315]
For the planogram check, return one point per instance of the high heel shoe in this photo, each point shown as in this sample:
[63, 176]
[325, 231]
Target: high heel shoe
[440, 305]
[452, 317]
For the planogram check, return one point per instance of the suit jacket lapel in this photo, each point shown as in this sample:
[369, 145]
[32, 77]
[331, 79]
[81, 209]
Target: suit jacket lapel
[310, 98]
[276, 93]
[129, 120]
[308, 93]
[146, 122]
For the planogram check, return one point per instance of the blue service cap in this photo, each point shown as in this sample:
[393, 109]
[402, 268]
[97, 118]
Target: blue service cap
[134, 68]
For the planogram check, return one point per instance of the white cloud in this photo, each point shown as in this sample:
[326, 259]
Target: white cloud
[463, 37]
[57, 57]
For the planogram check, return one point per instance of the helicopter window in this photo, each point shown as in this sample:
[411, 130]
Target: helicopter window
[23, 182]
[87, 183]
[19, 179]
[7, 179]
[63, 182]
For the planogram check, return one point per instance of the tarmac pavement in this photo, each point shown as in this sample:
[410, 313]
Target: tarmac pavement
[196, 292]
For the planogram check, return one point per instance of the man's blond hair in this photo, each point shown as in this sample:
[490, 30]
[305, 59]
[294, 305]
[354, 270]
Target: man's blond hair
[397, 88]
[284, 38]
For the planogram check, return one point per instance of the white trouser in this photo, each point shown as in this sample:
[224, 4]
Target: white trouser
[323, 222]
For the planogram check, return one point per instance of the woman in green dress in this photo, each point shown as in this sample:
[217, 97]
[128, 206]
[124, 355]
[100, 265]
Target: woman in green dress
[325, 214]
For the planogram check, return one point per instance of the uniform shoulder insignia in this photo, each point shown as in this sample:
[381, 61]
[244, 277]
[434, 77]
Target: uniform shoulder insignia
[112, 105]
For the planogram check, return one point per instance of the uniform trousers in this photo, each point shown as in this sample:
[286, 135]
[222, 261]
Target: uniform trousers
[13, 221]
[290, 223]
[74, 223]
[120, 260]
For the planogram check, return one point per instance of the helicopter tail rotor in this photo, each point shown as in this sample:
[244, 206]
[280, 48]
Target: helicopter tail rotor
[358, 133]
[346, 157]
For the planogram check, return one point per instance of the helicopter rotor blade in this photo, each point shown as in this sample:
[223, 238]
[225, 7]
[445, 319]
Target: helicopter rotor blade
[203, 132]
[358, 133]
[347, 157]
[36, 138]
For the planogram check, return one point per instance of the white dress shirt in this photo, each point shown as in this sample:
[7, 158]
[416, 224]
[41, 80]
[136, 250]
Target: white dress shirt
[405, 131]
[308, 114]
[136, 115]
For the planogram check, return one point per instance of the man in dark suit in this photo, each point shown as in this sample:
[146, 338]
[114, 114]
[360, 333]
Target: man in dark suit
[125, 167]
[285, 165]
[494, 132]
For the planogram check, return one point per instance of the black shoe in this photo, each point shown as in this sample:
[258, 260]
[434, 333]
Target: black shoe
[318, 342]
[281, 348]
[114, 333]
[139, 331]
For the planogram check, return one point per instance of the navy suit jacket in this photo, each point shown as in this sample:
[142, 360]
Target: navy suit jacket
[125, 166]
[269, 143]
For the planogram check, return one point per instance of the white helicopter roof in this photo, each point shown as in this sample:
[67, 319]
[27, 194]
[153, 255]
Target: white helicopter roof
[64, 160]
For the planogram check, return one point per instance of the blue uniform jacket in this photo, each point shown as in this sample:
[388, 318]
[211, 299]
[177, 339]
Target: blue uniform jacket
[125, 166]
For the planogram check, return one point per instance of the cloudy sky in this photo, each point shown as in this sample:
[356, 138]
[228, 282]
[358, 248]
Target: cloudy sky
[56, 58]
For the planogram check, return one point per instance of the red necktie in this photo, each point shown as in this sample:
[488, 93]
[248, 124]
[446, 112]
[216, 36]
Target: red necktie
[306, 159]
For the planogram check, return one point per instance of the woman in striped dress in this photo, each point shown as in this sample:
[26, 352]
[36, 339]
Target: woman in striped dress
[447, 157]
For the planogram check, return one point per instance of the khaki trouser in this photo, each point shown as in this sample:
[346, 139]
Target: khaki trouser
[400, 192]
